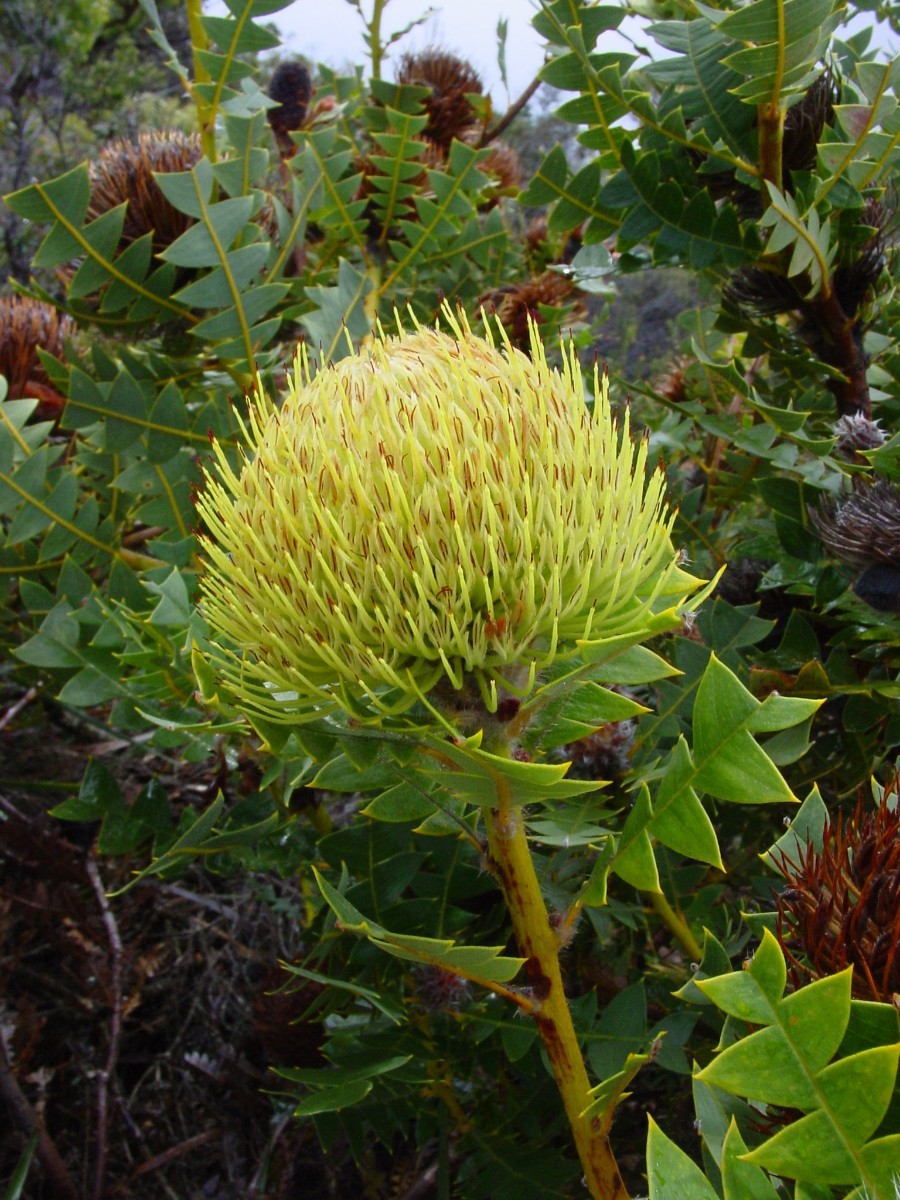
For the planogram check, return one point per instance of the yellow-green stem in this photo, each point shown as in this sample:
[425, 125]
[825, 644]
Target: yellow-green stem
[375, 47]
[199, 43]
[676, 923]
[511, 861]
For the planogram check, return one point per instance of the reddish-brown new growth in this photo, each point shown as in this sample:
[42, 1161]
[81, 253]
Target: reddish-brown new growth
[841, 904]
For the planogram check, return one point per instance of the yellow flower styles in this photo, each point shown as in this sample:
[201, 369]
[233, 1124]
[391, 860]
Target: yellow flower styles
[433, 509]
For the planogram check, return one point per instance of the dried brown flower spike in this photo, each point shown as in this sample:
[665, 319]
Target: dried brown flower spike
[124, 172]
[27, 326]
[451, 80]
[864, 531]
[841, 904]
[291, 86]
[520, 303]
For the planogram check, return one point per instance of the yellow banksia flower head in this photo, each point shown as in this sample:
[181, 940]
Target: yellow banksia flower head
[436, 509]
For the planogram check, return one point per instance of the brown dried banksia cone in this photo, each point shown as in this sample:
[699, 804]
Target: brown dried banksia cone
[864, 528]
[291, 86]
[864, 531]
[504, 166]
[841, 903]
[451, 80]
[518, 303]
[673, 386]
[123, 172]
[27, 326]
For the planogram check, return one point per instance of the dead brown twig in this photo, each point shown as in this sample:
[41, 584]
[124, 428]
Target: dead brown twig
[106, 1073]
[494, 131]
[173, 1152]
[29, 1123]
[14, 709]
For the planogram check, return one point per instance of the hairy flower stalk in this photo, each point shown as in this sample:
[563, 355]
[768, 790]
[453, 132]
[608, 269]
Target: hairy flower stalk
[425, 527]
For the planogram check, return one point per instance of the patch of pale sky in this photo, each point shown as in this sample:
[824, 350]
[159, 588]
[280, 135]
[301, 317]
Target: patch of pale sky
[331, 31]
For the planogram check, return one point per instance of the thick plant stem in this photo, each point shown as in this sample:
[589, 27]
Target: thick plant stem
[770, 119]
[199, 43]
[512, 864]
[376, 49]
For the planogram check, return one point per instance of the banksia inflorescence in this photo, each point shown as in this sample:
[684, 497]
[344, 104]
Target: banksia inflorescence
[520, 304]
[123, 172]
[27, 326]
[291, 86]
[436, 511]
[841, 904]
[864, 531]
[451, 81]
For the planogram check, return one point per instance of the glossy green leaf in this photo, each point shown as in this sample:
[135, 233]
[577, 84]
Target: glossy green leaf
[729, 763]
[742, 1180]
[205, 245]
[342, 774]
[715, 961]
[788, 1062]
[613, 1090]
[854, 1094]
[478, 776]
[679, 819]
[750, 995]
[805, 829]
[621, 1031]
[671, 1174]
[634, 860]
[334, 1099]
[339, 317]
[403, 802]
[481, 964]
[584, 711]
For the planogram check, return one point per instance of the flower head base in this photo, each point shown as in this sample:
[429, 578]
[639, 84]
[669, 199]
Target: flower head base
[433, 510]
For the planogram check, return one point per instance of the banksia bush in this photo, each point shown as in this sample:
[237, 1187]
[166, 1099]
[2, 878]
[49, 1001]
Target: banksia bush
[435, 510]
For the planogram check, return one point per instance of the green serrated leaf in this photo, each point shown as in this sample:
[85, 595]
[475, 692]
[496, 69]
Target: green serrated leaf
[729, 763]
[671, 1174]
[742, 1180]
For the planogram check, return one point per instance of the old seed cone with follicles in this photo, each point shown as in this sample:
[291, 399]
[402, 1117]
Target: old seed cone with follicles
[433, 510]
